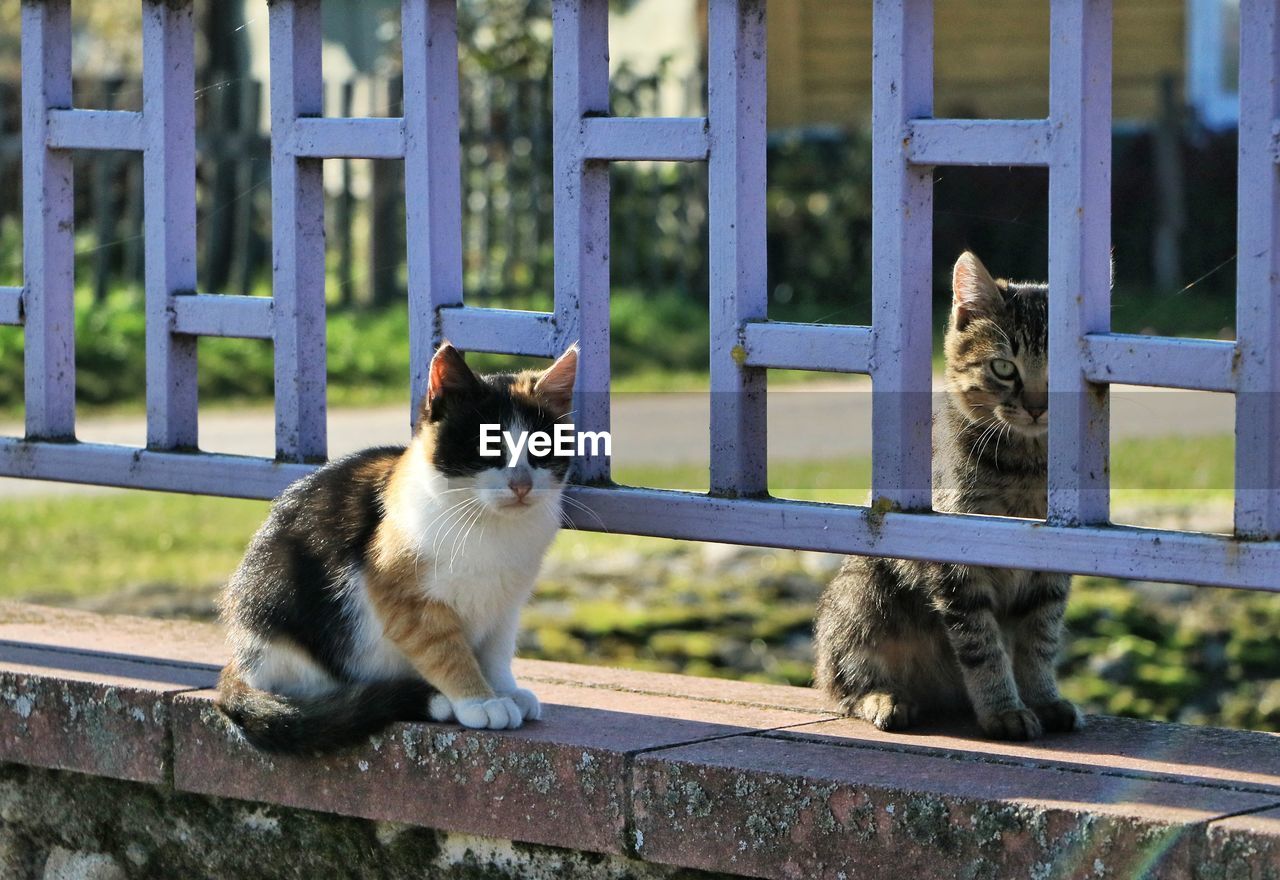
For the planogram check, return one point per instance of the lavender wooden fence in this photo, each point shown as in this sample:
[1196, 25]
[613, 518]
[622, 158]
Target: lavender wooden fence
[1073, 143]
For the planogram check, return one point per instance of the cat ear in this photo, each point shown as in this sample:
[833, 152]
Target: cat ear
[975, 293]
[555, 386]
[449, 375]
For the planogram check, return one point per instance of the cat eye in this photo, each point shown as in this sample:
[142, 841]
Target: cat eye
[1003, 369]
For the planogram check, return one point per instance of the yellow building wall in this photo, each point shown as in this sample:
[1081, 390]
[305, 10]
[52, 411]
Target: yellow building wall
[991, 59]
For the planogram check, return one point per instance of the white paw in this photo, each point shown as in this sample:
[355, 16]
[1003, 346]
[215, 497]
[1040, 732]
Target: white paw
[496, 713]
[440, 708]
[527, 700]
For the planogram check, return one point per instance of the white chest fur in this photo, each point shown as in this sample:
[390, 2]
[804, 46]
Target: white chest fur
[484, 570]
[481, 562]
[484, 580]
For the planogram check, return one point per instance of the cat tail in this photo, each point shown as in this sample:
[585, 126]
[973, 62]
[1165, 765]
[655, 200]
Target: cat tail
[345, 717]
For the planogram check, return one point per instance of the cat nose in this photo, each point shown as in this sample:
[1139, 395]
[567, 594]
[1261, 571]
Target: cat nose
[1036, 412]
[520, 486]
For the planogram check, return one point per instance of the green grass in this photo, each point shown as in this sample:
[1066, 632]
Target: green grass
[56, 546]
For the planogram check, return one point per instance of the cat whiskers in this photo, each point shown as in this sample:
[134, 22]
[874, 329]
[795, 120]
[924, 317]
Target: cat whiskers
[455, 528]
[565, 518]
[988, 423]
[451, 491]
[445, 519]
[987, 436]
[460, 543]
[426, 530]
[1006, 432]
[446, 512]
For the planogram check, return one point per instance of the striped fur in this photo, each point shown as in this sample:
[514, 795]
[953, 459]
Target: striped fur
[900, 640]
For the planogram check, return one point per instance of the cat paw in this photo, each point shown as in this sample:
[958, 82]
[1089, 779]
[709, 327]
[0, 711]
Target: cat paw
[439, 708]
[887, 711]
[495, 713]
[1060, 716]
[1012, 724]
[527, 701]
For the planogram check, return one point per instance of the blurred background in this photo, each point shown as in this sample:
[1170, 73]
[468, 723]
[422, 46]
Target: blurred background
[1138, 649]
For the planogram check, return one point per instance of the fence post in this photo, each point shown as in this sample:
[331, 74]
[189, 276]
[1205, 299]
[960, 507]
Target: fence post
[297, 221]
[902, 256]
[47, 225]
[432, 177]
[737, 273]
[580, 88]
[1079, 256]
[1257, 511]
[169, 222]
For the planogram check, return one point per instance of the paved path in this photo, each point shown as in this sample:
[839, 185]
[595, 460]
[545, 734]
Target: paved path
[813, 421]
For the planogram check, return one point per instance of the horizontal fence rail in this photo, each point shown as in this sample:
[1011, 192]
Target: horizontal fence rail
[1073, 143]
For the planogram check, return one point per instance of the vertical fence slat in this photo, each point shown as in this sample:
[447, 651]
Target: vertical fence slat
[432, 175]
[580, 88]
[48, 252]
[1079, 255]
[1257, 513]
[901, 267]
[737, 272]
[297, 222]
[169, 217]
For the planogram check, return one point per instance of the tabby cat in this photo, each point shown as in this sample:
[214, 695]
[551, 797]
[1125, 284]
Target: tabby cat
[388, 585]
[899, 640]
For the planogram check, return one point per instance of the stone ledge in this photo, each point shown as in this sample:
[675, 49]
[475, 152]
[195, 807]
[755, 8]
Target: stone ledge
[720, 776]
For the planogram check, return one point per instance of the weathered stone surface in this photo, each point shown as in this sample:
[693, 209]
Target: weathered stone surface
[115, 636]
[92, 713]
[65, 864]
[787, 808]
[85, 692]
[560, 781]
[709, 774]
[54, 820]
[1241, 848]
[1240, 759]
[715, 690]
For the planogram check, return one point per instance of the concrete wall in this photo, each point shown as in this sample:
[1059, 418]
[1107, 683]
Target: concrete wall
[68, 826]
[114, 763]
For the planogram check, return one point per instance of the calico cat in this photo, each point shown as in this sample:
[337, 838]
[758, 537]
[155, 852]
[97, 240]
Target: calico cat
[898, 640]
[388, 584]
